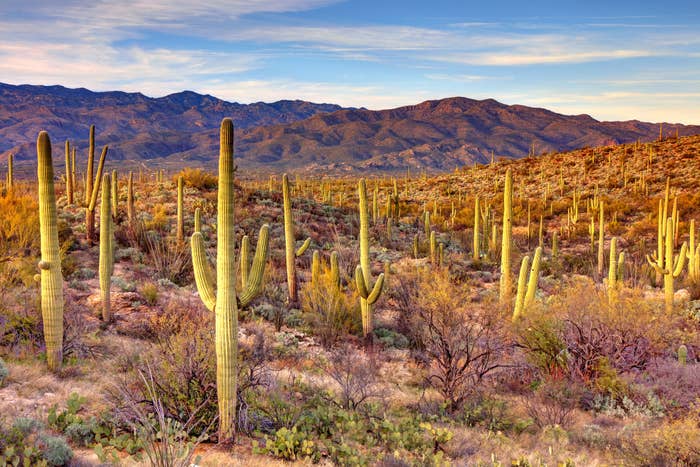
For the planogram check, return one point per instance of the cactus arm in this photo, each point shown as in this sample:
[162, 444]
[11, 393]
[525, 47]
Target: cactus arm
[652, 262]
[373, 296]
[302, 249]
[360, 282]
[50, 265]
[257, 269]
[680, 260]
[203, 273]
[98, 178]
[244, 260]
[534, 276]
[520, 294]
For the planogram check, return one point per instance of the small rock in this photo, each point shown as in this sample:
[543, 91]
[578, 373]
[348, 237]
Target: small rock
[681, 296]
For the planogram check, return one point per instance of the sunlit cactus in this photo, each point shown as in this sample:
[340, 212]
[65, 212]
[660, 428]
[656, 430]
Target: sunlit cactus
[50, 265]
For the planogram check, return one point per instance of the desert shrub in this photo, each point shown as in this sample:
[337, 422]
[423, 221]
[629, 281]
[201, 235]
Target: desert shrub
[149, 292]
[667, 443]
[678, 386]
[55, 450]
[197, 178]
[578, 331]
[19, 226]
[171, 260]
[356, 377]
[3, 372]
[552, 404]
[326, 309]
[464, 342]
[24, 442]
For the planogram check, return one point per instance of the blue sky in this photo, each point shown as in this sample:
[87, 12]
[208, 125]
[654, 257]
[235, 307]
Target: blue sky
[615, 60]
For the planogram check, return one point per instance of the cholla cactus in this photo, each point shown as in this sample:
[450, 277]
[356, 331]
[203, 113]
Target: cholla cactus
[50, 264]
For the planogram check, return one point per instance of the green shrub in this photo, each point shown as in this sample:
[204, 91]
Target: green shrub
[55, 450]
[4, 372]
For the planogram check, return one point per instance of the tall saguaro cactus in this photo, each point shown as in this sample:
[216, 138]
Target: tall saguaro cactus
[69, 185]
[10, 172]
[363, 274]
[106, 248]
[50, 264]
[477, 243]
[223, 300]
[130, 213]
[506, 284]
[672, 268]
[290, 243]
[525, 296]
[180, 213]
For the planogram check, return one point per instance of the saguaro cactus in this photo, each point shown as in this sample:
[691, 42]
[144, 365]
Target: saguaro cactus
[69, 185]
[130, 213]
[506, 239]
[50, 264]
[180, 214]
[106, 248]
[10, 172]
[601, 240]
[223, 301]
[693, 256]
[477, 243]
[672, 268]
[614, 270]
[290, 243]
[363, 274]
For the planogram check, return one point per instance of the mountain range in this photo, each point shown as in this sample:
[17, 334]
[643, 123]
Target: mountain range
[294, 135]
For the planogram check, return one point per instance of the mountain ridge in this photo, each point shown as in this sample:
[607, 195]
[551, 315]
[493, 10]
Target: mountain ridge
[182, 128]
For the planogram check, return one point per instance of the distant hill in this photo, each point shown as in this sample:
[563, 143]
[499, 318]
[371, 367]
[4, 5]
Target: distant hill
[300, 136]
[150, 127]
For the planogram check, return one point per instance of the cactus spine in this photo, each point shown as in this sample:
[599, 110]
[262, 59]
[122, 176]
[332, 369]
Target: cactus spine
[223, 302]
[106, 248]
[671, 269]
[363, 273]
[290, 242]
[506, 281]
[50, 264]
[180, 213]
